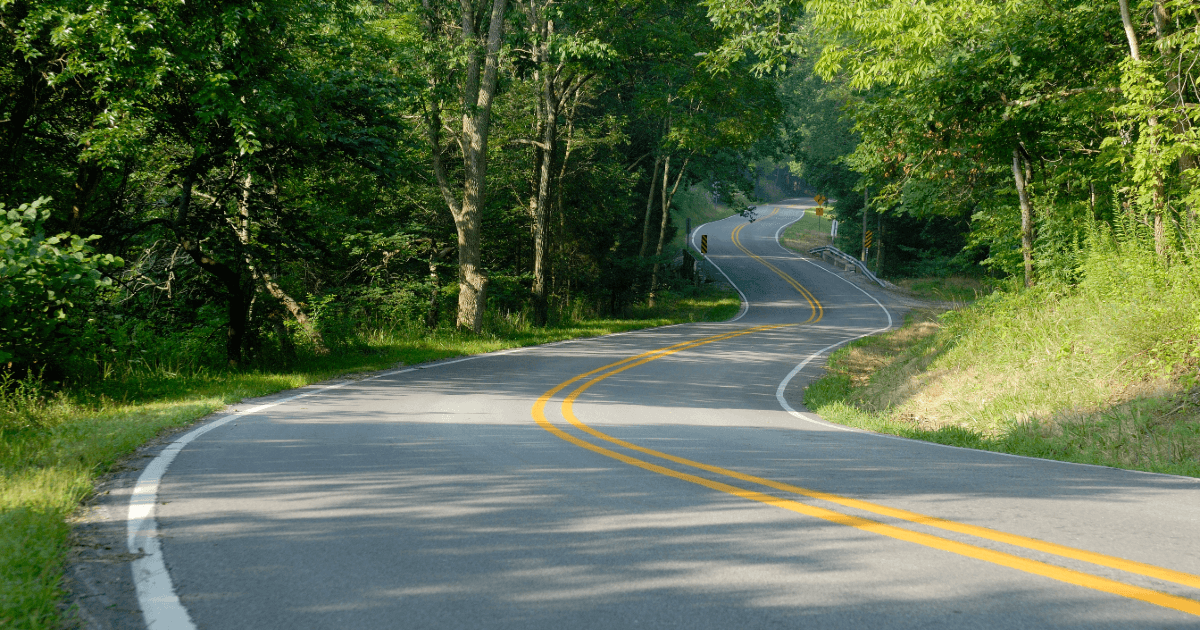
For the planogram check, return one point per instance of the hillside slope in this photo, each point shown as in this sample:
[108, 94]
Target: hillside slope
[1104, 372]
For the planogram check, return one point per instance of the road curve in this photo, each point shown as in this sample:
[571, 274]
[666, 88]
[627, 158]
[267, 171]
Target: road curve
[648, 479]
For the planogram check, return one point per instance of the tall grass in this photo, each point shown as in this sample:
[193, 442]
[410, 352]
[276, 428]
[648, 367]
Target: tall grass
[54, 443]
[1106, 371]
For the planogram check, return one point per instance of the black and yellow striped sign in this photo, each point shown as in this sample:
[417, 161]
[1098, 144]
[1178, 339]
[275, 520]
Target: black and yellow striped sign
[703, 243]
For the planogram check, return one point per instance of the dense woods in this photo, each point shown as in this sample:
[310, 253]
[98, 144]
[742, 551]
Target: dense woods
[250, 180]
[1003, 134]
[247, 179]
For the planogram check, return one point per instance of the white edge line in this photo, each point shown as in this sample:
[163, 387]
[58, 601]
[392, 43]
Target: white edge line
[779, 391]
[818, 420]
[744, 307]
[160, 604]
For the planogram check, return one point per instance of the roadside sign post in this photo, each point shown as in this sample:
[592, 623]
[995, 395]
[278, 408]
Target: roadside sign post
[820, 211]
[703, 243]
[833, 229]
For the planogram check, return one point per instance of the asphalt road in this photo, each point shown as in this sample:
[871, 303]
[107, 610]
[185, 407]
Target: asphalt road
[669, 490]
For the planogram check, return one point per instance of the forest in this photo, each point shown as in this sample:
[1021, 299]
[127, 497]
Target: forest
[247, 180]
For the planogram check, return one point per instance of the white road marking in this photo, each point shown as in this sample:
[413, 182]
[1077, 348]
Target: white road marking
[745, 307]
[160, 604]
[815, 419]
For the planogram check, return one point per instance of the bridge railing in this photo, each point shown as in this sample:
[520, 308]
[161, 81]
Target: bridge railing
[841, 259]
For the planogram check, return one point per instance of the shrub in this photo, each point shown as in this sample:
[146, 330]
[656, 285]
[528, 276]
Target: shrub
[43, 283]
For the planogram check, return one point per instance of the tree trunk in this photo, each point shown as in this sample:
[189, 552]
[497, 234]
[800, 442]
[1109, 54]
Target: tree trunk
[297, 313]
[547, 111]
[238, 305]
[666, 217]
[1021, 177]
[478, 93]
[1130, 33]
[1159, 194]
[649, 207]
[293, 307]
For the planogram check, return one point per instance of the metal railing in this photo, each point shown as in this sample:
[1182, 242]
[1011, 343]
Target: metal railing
[831, 254]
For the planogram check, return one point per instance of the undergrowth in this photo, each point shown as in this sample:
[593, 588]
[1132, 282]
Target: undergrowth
[55, 443]
[1103, 372]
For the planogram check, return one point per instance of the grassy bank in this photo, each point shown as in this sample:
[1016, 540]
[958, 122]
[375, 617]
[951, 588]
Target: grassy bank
[809, 232]
[1071, 377]
[54, 445]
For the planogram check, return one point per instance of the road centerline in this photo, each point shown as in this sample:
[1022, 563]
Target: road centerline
[1035, 567]
[818, 311]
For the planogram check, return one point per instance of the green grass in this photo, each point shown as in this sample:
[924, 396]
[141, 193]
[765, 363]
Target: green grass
[1056, 376]
[54, 445]
[958, 289]
[809, 232]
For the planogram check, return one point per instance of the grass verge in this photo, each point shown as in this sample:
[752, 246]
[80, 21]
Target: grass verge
[960, 290]
[53, 446]
[809, 232]
[1039, 384]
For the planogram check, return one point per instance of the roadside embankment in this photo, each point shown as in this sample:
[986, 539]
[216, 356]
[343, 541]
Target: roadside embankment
[1102, 373]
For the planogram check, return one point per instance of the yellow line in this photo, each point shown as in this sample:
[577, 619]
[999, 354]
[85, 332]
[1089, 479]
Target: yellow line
[813, 302]
[1069, 576]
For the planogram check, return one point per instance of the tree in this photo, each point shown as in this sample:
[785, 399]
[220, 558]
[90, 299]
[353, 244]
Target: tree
[475, 30]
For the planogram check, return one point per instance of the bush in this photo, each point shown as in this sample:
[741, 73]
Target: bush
[43, 281]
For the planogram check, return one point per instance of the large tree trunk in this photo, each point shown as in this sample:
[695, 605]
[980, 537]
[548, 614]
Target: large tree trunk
[479, 90]
[1021, 177]
[666, 217]
[547, 111]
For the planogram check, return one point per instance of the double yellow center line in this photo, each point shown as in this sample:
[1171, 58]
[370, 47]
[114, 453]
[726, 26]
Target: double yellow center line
[817, 310]
[1061, 574]
[1069, 576]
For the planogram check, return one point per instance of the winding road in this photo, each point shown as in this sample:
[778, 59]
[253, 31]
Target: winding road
[667, 478]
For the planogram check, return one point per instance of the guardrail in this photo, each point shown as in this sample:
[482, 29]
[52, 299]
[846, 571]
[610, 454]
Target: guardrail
[846, 262]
